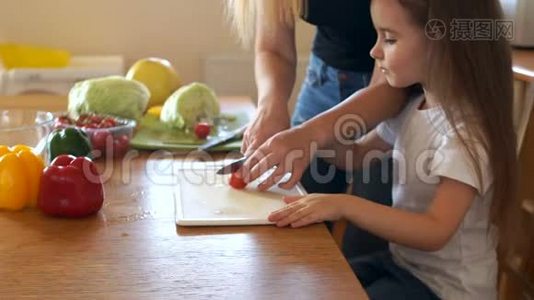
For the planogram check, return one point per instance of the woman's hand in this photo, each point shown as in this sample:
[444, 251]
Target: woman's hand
[265, 125]
[310, 209]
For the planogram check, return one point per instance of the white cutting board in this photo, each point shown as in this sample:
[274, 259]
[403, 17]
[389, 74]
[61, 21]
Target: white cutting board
[203, 198]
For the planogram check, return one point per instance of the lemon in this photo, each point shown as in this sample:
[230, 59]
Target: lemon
[158, 75]
[154, 111]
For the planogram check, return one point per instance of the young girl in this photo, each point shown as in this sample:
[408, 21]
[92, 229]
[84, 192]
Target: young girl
[454, 153]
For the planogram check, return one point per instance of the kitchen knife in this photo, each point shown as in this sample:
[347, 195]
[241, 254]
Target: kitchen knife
[232, 167]
[234, 134]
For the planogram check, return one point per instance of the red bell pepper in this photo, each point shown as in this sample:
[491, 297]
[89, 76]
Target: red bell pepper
[71, 187]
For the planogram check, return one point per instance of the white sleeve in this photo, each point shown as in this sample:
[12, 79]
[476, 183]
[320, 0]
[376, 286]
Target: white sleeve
[387, 131]
[452, 161]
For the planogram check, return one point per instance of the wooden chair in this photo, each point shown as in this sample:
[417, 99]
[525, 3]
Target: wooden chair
[516, 269]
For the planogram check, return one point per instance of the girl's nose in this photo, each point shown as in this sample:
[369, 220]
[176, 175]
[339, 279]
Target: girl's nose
[376, 52]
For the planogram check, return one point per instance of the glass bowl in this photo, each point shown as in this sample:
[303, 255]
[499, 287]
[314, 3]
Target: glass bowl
[111, 140]
[26, 127]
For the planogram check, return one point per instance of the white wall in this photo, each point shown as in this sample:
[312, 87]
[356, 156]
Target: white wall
[183, 31]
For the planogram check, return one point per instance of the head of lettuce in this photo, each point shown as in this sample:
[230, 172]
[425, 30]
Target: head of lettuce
[113, 95]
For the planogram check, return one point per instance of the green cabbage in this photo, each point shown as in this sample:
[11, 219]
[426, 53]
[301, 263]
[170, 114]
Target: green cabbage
[113, 95]
[188, 105]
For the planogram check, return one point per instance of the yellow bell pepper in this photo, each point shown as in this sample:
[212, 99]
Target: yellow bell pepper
[20, 176]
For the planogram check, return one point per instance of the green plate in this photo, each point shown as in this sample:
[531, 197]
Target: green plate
[152, 134]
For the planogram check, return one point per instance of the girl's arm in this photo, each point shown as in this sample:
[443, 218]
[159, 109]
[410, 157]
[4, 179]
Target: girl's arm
[371, 105]
[292, 150]
[427, 231]
[360, 154]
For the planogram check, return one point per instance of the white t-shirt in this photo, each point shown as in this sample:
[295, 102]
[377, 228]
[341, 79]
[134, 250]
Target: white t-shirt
[424, 149]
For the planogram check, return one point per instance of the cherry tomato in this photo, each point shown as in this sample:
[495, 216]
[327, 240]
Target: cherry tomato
[120, 146]
[82, 119]
[90, 126]
[64, 120]
[107, 124]
[202, 130]
[237, 182]
[110, 121]
[100, 140]
[95, 119]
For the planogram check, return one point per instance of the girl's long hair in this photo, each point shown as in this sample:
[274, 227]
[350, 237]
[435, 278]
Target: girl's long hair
[242, 14]
[473, 80]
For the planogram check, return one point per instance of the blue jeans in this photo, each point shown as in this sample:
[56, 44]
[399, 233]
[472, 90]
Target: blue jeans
[382, 278]
[324, 88]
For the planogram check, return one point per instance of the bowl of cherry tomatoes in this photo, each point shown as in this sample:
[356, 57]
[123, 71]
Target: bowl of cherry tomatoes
[109, 135]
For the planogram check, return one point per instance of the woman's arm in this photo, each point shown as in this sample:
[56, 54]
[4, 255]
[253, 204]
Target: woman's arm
[427, 231]
[275, 72]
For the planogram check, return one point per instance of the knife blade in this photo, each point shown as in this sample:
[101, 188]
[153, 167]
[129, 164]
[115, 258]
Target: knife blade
[232, 167]
[236, 133]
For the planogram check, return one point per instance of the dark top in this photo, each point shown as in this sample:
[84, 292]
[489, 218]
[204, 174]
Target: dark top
[345, 32]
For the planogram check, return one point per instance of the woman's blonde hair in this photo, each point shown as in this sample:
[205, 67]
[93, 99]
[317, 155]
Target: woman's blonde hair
[242, 14]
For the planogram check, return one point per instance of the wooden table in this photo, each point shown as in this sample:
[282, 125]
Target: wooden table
[132, 248]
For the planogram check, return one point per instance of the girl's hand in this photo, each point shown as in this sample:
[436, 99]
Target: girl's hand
[313, 208]
[290, 151]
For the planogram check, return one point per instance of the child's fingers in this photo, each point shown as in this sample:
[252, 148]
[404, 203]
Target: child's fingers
[296, 175]
[264, 164]
[307, 220]
[277, 215]
[291, 199]
[297, 215]
[275, 176]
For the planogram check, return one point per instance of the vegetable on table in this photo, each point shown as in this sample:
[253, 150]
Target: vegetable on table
[116, 146]
[112, 95]
[237, 182]
[202, 130]
[71, 187]
[68, 141]
[20, 175]
[189, 104]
